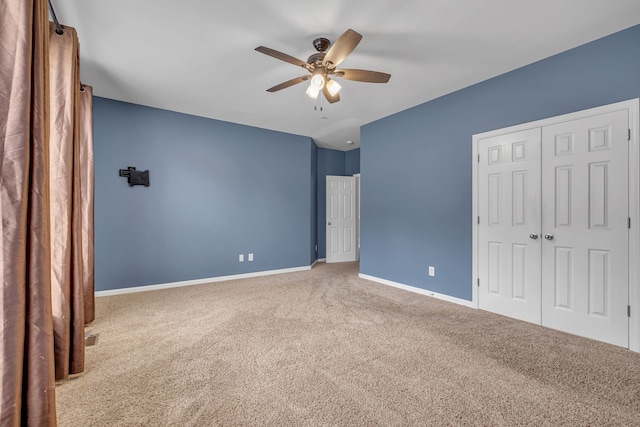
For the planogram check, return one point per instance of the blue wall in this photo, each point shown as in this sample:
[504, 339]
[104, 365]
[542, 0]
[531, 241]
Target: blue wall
[330, 162]
[217, 190]
[416, 165]
[352, 162]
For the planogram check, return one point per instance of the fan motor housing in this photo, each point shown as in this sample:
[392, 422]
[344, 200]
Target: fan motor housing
[316, 58]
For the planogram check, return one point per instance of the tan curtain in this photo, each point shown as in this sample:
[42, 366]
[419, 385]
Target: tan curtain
[66, 211]
[46, 204]
[26, 332]
[87, 190]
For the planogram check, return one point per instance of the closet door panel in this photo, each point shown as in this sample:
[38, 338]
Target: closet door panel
[509, 207]
[584, 225]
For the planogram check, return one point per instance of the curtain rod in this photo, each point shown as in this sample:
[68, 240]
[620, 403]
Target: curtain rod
[55, 19]
[59, 31]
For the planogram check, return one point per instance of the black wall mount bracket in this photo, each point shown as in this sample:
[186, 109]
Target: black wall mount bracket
[135, 177]
[127, 171]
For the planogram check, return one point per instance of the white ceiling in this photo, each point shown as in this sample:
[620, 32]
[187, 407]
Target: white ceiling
[198, 57]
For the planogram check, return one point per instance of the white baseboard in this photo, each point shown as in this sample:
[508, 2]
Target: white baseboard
[322, 260]
[197, 281]
[418, 290]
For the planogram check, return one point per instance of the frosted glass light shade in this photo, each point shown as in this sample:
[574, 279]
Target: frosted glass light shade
[317, 81]
[333, 87]
[312, 92]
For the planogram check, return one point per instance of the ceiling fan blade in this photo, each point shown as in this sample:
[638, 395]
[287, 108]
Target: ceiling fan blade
[341, 48]
[282, 56]
[362, 75]
[329, 97]
[289, 83]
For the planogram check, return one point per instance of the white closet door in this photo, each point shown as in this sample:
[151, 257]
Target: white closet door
[584, 227]
[509, 208]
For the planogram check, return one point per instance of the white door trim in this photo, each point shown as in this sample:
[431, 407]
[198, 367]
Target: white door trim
[357, 177]
[633, 106]
[341, 222]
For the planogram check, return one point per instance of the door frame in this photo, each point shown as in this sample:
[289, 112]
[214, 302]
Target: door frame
[355, 209]
[633, 106]
[357, 177]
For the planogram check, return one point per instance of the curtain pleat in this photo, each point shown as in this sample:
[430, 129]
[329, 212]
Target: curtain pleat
[27, 394]
[66, 216]
[87, 183]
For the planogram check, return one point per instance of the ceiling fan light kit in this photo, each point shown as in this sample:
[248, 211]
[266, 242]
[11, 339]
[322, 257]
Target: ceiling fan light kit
[323, 64]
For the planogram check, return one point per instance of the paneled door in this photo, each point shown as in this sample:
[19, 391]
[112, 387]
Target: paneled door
[585, 204]
[553, 233]
[341, 219]
[509, 207]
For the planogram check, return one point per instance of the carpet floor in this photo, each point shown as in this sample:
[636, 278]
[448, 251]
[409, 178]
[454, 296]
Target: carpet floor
[326, 348]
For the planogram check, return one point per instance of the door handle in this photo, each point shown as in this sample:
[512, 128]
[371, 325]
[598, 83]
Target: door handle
[329, 223]
[534, 236]
[548, 236]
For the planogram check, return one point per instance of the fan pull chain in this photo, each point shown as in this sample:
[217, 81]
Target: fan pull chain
[315, 107]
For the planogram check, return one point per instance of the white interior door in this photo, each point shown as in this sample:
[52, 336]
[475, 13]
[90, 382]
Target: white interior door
[585, 263]
[509, 224]
[341, 218]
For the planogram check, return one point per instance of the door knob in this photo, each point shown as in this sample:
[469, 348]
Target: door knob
[534, 236]
[548, 236]
[329, 223]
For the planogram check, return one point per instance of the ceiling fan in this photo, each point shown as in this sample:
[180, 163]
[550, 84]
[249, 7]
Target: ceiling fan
[322, 66]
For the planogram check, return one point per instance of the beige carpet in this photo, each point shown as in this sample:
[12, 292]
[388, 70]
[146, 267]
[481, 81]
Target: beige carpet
[325, 348]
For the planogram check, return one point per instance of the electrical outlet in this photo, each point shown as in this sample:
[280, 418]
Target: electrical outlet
[250, 257]
[241, 258]
[432, 271]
